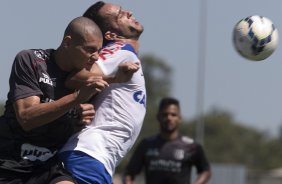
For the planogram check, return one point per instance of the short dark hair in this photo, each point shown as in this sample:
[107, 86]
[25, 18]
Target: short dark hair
[76, 29]
[103, 22]
[168, 101]
[92, 12]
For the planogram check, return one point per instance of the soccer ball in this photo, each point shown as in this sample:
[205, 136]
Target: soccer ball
[255, 37]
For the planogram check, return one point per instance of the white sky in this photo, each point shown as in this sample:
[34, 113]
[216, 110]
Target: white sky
[251, 91]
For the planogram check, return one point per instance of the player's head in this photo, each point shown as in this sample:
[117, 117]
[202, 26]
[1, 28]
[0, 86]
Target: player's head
[169, 115]
[113, 19]
[81, 43]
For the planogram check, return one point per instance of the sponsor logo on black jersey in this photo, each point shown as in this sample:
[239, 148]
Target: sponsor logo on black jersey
[178, 154]
[164, 165]
[47, 80]
[41, 54]
[33, 153]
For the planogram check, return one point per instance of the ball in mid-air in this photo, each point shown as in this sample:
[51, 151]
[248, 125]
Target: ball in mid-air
[255, 37]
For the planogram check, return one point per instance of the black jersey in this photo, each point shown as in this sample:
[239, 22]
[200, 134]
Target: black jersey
[34, 73]
[167, 162]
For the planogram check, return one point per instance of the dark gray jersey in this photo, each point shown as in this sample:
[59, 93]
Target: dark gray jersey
[34, 73]
[167, 162]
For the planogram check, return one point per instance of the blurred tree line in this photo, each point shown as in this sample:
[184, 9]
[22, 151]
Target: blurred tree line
[2, 107]
[226, 141]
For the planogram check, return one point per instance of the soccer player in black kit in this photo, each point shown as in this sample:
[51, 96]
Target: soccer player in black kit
[168, 157]
[38, 114]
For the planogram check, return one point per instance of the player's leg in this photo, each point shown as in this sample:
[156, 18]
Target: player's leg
[52, 172]
[65, 182]
[10, 177]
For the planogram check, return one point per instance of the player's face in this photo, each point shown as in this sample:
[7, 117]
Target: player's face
[85, 53]
[169, 118]
[122, 20]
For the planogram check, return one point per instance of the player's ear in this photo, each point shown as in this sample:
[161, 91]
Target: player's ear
[110, 36]
[66, 41]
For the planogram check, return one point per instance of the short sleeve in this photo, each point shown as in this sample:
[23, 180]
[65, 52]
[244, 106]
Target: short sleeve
[201, 161]
[23, 80]
[109, 66]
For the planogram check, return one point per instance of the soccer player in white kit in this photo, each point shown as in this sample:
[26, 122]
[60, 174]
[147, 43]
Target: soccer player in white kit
[92, 154]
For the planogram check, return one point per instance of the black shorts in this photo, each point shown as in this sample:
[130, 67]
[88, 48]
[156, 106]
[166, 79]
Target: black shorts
[49, 173]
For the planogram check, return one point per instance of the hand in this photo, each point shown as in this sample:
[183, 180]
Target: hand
[90, 87]
[86, 113]
[126, 71]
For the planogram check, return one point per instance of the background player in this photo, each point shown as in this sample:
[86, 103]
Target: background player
[168, 156]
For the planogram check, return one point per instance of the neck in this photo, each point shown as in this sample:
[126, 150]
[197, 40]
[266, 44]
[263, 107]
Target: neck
[61, 61]
[135, 45]
[169, 136]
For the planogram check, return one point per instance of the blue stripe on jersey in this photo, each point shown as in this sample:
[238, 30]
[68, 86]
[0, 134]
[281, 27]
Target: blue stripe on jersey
[129, 48]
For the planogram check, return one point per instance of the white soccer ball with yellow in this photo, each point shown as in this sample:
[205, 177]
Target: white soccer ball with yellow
[255, 37]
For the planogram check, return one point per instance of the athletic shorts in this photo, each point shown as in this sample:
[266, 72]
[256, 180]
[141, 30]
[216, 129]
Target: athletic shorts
[49, 173]
[84, 168]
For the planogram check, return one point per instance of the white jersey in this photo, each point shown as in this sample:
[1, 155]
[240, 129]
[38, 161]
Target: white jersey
[120, 111]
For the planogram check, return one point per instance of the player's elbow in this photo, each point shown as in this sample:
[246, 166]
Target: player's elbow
[205, 176]
[24, 121]
[128, 179]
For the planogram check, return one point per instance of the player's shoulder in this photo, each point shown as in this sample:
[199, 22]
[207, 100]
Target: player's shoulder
[24, 53]
[187, 140]
[41, 54]
[120, 46]
[34, 54]
[115, 48]
[129, 47]
[24, 58]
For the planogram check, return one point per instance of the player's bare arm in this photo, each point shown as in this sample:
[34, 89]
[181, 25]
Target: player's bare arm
[87, 113]
[124, 74]
[203, 177]
[31, 113]
[128, 180]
